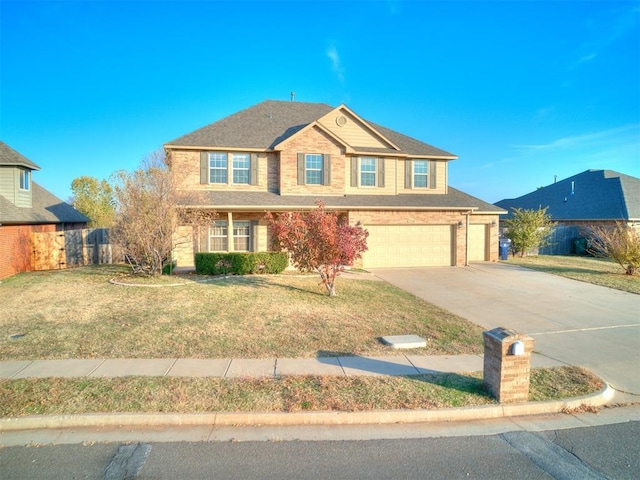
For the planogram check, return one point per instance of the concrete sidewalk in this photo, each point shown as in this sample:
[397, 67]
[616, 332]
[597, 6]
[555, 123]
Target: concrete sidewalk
[238, 368]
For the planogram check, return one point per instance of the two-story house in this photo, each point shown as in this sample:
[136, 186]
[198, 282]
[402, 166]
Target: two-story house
[27, 208]
[284, 156]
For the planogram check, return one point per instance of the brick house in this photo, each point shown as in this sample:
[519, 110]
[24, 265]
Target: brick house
[26, 208]
[284, 156]
[577, 203]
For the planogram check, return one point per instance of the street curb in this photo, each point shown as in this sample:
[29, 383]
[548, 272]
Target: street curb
[374, 417]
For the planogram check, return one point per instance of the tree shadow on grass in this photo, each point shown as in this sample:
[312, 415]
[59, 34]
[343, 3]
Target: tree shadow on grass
[400, 366]
[257, 281]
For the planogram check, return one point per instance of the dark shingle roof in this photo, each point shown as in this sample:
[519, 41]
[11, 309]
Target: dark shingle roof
[266, 124]
[9, 157]
[261, 126]
[46, 208]
[455, 199]
[590, 195]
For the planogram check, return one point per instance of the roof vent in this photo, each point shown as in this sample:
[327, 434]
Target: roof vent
[341, 120]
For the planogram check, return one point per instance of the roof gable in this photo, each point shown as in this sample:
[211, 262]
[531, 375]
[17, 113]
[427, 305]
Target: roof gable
[10, 157]
[268, 125]
[590, 195]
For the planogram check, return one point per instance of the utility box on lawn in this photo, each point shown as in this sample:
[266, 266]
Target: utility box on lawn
[507, 364]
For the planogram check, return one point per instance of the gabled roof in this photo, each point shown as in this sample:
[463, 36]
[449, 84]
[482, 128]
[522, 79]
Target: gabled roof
[268, 124]
[590, 195]
[9, 157]
[234, 200]
[46, 208]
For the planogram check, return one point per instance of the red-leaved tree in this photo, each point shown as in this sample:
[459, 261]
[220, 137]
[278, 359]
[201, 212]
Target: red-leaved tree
[318, 241]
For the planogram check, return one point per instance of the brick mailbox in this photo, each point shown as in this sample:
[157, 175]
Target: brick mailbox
[507, 364]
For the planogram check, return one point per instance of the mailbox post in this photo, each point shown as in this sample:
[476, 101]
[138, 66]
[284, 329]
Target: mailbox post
[507, 364]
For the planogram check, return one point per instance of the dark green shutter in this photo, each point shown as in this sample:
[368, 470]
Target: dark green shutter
[354, 171]
[204, 168]
[326, 169]
[253, 172]
[408, 165]
[301, 169]
[380, 172]
[432, 174]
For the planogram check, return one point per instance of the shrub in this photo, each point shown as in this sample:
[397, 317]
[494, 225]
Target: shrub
[241, 263]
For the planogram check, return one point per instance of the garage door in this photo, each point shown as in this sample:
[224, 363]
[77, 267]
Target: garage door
[477, 243]
[408, 246]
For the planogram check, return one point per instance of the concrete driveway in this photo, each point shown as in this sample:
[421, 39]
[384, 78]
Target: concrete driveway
[572, 322]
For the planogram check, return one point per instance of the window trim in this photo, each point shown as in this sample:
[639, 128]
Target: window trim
[417, 175]
[325, 177]
[224, 169]
[235, 169]
[373, 172]
[237, 224]
[225, 237]
[24, 181]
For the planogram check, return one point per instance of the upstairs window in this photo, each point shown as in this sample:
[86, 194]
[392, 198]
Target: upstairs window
[241, 166]
[420, 173]
[314, 169]
[218, 168]
[25, 179]
[367, 172]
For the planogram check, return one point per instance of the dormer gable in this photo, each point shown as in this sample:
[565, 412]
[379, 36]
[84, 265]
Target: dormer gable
[15, 177]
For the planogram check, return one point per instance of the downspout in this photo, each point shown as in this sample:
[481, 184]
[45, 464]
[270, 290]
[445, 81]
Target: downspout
[466, 241]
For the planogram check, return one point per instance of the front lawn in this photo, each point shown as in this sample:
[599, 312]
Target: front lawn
[77, 313]
[598, 271]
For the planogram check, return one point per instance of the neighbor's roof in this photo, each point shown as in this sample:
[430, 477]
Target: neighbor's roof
[590, 195]
[46, 208]
[266, 201]
[265, 125]
[9, 157]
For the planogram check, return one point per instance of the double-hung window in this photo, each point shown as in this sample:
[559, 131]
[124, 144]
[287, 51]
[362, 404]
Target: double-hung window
[367, 172]
[25, 179]
[241, 236]
[420, 173]
[313, 169]
[218, 167]
[218, 237]
[241, 166]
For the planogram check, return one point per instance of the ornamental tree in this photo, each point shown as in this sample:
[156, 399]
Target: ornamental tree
[318, 241]
[528, 229]
[620, 243]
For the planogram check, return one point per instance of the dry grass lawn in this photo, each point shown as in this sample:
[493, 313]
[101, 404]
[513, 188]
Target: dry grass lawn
[598, 271]
[77, 313]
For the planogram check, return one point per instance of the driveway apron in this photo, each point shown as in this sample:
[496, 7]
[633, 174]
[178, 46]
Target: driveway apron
[572, 322]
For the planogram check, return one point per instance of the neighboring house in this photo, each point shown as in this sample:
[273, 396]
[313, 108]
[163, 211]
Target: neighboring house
[284, 156]
[591, 198]
[26, 208]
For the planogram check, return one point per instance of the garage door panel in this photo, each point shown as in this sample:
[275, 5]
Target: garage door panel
[477, 242]
[408, 246]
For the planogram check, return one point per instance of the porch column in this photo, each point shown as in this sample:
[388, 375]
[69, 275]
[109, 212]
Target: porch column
[230, 246]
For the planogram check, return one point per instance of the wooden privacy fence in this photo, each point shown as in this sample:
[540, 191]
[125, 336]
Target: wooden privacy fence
[70, 248]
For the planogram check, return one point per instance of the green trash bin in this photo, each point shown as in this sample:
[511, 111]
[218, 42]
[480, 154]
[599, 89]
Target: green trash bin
[580, 246]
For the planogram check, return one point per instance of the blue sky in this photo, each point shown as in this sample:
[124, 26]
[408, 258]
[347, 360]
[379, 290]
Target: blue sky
[521, 91]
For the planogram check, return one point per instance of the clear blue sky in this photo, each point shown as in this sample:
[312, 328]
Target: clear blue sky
[521, 91]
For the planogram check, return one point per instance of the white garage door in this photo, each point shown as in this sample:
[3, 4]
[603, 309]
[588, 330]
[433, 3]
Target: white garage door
[477, 243]
[408, 246]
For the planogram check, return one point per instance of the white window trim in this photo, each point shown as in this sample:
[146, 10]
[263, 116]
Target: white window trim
[425, 175]
[374, 172]
[221, 169]
[307, 169]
